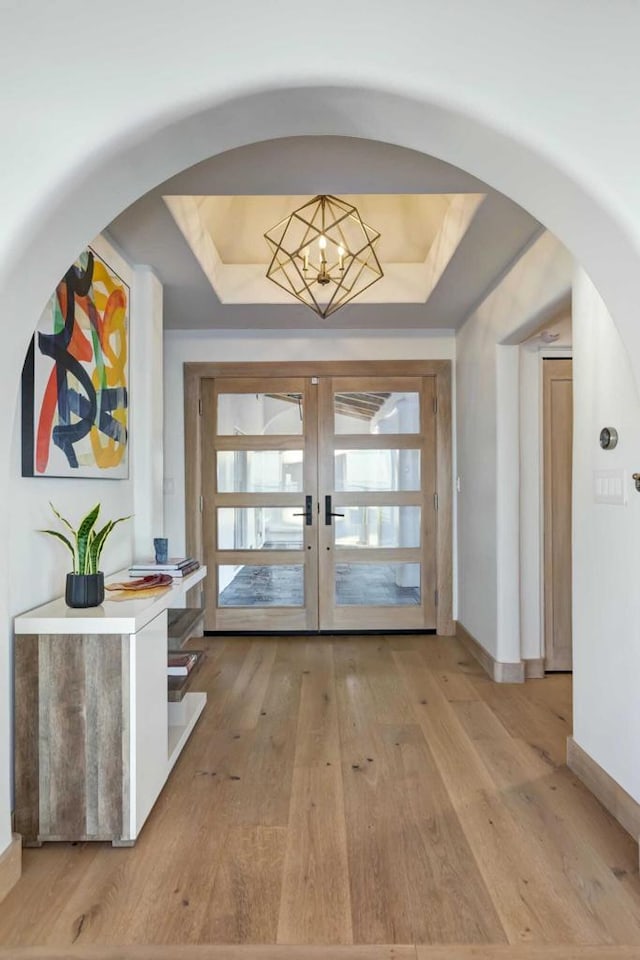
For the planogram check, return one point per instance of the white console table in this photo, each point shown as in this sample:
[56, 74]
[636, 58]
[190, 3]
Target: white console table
[95, 737]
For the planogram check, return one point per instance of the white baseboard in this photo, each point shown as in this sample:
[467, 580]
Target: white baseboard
[10, 866]
[611, 795]
[534, 669]
[498, 670]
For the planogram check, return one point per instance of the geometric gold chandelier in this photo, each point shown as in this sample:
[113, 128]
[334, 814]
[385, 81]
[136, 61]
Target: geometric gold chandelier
[324, 254]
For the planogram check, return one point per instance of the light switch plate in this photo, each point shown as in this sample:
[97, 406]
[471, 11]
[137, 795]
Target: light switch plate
[610, 486]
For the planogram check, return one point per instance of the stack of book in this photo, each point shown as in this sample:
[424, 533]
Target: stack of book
[175, 567]
[181, 664]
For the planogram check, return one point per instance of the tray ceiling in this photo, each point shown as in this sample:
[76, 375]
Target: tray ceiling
[447, 238]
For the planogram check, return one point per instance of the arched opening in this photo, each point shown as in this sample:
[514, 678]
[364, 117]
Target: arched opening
[135, 162]
[510, 167]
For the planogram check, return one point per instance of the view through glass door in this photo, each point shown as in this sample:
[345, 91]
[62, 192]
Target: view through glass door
[318, 503]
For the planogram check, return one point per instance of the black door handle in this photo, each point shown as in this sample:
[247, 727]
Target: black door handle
[328, 512]
[308, 511]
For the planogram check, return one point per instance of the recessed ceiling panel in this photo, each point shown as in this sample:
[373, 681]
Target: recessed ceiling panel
[419, 234]
[408, 224]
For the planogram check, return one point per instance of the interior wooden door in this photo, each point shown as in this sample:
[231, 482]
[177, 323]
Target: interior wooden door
[377, 501]
[558, 443]
[259, 503]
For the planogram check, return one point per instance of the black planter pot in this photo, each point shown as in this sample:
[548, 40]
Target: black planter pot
[84, 589]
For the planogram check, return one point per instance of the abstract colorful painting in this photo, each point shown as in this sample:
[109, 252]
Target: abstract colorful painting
[75, 399]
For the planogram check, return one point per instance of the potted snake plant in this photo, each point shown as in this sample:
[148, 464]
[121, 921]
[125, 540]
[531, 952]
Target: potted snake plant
[85, 584]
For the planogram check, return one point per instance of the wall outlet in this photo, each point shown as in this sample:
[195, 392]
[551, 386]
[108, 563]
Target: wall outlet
[610, 486]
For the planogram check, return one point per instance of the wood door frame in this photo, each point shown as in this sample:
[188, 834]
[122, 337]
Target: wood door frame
[194, 373]
[562, 371]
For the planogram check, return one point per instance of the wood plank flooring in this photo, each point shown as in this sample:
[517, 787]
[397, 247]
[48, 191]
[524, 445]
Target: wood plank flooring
[383, 952]
[342, 791]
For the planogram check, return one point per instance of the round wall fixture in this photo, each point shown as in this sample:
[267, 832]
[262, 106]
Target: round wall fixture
[608, 438]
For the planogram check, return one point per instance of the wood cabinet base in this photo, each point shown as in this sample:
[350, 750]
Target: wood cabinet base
[72, 712]
[94, 740]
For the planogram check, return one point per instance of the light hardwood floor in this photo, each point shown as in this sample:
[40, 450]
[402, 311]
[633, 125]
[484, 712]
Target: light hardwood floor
[388, 952]
[352, 790]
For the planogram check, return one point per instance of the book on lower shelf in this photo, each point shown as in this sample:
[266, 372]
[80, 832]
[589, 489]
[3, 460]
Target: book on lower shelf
[181, 664]
[179, 686]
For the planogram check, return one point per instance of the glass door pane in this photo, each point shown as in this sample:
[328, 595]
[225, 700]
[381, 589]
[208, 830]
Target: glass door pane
[259, 414]
[377, 584]
[381, 526]
[260, 528]
[250, 585]
[260, 471]
[376, 412]
[373, 470]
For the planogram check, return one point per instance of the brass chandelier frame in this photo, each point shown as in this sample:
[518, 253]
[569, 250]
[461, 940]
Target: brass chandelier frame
[331, 224]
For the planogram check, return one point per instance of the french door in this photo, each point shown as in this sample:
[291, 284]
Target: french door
[319, 502]
[259, 464]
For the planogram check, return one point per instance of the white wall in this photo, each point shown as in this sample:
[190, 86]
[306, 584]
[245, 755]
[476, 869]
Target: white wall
[184, 346]
[487, 381]
[147, 411]
[606, 546]
[530, 503]
[507, 504]
[38, 563]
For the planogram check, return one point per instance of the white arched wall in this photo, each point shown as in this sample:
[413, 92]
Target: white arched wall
[517, 95]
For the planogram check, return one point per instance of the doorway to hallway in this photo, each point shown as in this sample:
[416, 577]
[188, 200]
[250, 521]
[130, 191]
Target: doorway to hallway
[321, 500]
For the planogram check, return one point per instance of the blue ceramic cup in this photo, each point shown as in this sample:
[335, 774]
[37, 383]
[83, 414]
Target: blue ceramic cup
[161, 546]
